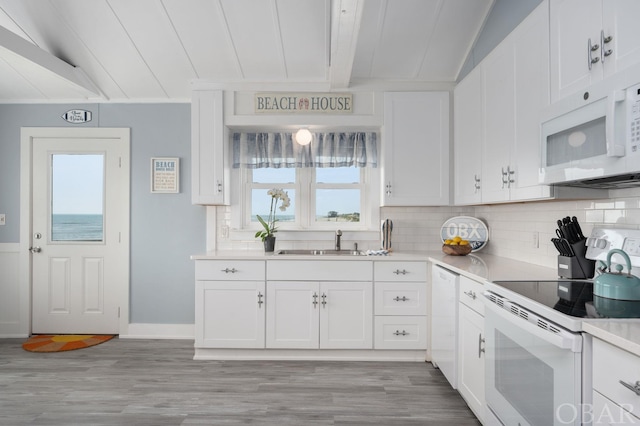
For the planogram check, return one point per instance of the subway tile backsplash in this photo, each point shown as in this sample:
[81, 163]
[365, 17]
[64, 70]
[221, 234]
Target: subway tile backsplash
[513, 228]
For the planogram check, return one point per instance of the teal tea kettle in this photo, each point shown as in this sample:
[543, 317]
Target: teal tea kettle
[617, 285]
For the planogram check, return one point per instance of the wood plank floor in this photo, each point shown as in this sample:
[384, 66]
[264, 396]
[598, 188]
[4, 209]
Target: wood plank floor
[156, 383]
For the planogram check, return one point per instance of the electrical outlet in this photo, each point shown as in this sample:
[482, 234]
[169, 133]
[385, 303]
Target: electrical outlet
[2, 219]
[535, 239]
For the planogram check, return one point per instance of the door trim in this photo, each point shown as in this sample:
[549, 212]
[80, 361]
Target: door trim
[27, 134]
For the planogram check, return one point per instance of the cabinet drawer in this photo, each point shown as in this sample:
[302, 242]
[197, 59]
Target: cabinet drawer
[319, 270]
[400, 271]
[611, 365]
[400, 298]
[400, 332]
[230, 270]
[471, 294]
[606, 413]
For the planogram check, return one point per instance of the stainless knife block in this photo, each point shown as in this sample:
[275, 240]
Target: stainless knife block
[578, 266]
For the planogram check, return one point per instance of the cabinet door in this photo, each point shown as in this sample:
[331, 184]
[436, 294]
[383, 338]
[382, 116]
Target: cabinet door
[346, 315]
[209, 180]
[229, 314]
[531, 56]
[293, 312]
[573, 23]
[416, 149]
[468, 119]
[471, 359]
[499, 111]
[620, 21]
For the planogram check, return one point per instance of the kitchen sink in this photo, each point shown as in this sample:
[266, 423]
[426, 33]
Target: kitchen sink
[308, 252]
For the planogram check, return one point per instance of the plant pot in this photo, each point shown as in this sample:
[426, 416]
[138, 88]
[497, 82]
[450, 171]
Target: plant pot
[269, 244]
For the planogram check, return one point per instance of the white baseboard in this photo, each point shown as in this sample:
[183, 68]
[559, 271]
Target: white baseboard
[159, 331]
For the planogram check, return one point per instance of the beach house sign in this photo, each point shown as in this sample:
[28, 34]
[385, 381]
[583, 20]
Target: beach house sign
[303, 103]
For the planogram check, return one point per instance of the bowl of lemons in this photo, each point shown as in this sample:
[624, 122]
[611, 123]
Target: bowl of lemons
[456, 246]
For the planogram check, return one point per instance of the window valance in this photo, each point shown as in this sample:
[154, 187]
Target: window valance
[280, 150]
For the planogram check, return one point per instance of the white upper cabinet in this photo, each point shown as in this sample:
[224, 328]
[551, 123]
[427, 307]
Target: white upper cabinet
[497, 119]
[210, 172]
[467, 131]
[415, 164]
[590, 40]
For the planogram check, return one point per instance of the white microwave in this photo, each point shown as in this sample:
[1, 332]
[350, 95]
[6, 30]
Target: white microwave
[594, 141]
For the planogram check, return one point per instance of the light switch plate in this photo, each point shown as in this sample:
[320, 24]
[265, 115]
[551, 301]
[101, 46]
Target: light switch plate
[2, 219]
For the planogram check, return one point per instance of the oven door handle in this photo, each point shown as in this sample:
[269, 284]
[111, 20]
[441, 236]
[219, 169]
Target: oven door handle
[562, 339]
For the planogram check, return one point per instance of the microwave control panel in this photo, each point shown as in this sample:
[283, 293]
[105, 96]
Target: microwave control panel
[633, 117]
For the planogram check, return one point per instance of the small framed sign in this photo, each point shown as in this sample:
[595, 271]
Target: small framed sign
[165, 175]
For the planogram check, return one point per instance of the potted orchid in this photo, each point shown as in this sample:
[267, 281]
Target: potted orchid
[269, 225]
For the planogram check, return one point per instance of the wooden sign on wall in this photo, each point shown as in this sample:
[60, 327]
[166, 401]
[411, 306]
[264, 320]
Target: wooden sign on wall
[303, 103]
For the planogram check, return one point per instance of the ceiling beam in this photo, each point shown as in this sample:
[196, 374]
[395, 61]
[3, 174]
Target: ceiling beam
[345, 27]
[27, 58]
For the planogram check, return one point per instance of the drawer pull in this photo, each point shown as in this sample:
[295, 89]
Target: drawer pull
[260, 302]
[400, 299]
[635, 388]
[398, 272]
[227, 270]
[400, 333]
[471, 294]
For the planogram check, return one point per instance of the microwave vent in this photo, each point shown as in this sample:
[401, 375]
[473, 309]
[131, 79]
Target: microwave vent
[629, 180]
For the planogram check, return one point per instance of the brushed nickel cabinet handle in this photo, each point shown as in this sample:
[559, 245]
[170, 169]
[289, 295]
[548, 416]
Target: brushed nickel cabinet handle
[634, 388]
[399, 299]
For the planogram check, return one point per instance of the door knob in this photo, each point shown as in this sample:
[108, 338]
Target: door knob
[35, 249]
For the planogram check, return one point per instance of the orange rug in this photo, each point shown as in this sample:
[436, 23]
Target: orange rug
[63, 342]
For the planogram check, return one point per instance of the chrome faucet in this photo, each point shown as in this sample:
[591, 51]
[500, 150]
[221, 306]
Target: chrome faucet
[338, 236]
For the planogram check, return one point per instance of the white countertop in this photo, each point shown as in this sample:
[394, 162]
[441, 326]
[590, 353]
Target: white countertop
[476, 266]
[261, 255]
[487, 267]
[623, 333]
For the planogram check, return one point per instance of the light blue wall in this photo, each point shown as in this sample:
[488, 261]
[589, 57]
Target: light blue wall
[165, 228]
[503, 18]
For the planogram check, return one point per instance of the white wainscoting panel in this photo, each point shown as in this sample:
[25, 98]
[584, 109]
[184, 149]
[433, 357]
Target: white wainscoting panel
[10, 291]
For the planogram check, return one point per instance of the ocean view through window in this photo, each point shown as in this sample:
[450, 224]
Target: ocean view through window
[77, 197]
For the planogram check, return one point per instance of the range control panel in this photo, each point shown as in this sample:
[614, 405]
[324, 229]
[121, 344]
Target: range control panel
[602, 240]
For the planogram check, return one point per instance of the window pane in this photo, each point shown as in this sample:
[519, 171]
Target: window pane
[77, 193]
[338, 205]
[274, 175]
[261, 203]
[338, 175]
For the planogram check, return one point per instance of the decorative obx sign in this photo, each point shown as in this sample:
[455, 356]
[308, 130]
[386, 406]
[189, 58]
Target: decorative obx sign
[303, 103]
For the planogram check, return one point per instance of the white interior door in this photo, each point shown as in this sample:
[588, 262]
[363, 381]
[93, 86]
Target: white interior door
[80, 254]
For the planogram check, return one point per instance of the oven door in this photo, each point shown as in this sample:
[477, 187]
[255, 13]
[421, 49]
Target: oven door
[533, 376]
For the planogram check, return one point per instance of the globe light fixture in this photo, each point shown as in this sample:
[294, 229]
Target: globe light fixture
[303, 136]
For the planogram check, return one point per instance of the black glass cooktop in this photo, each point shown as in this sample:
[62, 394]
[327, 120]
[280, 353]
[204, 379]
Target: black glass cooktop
[573, 298]
[568, 297]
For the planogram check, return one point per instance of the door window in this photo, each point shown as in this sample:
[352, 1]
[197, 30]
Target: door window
[77, 197]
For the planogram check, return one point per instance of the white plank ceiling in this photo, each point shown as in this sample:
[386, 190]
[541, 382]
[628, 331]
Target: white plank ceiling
[152, 50]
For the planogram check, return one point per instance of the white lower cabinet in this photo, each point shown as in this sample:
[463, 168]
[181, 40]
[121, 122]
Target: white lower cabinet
[325, 315]
[471, 345]
[285, 308]
[230, 304]
[400, 305]
[401, 332]
[231, 314]
[616, 385]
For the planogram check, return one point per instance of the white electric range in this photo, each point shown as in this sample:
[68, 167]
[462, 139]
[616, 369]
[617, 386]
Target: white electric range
[537, 361]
